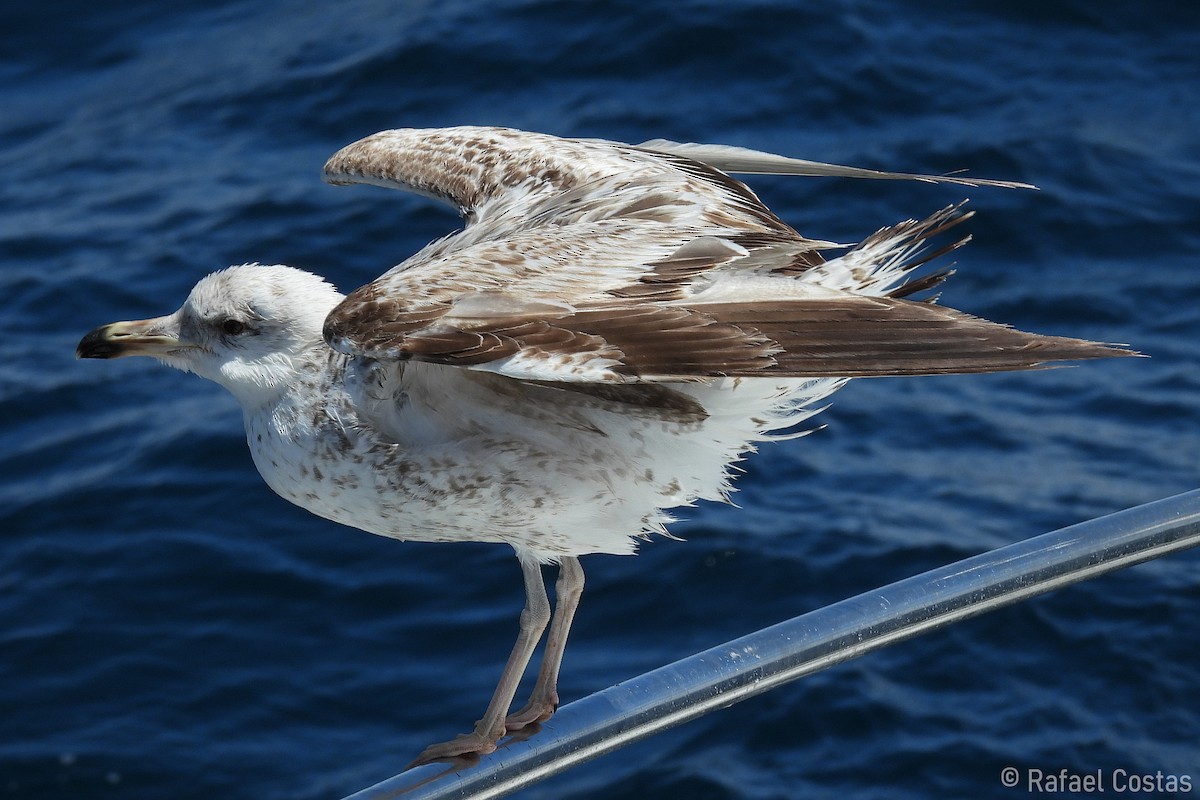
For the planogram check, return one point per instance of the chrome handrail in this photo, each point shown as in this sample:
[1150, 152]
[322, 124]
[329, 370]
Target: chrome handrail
[753, 664]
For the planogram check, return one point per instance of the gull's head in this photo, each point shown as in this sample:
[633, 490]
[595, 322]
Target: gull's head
[250, 328]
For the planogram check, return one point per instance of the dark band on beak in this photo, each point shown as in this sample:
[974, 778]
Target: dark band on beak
[98, 344]
[137, 338]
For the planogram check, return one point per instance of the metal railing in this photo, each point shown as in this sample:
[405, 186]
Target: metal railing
[768, 658]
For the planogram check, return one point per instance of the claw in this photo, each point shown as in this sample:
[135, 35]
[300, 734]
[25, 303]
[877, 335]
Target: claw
[467, 745]
[536, 711]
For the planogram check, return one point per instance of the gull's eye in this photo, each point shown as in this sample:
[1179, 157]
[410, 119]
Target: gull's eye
[232, 327]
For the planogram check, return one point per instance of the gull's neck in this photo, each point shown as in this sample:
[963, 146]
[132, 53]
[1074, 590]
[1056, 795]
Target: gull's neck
[278, 379]
[313, 384]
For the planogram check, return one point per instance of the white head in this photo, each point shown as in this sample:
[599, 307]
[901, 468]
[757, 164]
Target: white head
[249, 328]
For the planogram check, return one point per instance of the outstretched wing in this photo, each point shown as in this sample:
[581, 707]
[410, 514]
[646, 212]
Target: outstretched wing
[593, 261]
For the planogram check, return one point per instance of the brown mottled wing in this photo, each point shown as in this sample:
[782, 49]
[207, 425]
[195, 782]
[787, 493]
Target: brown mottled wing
[848, 336]
[465, 167]
[563, 218]
[509, 177]
[525, 279]
[586, 262]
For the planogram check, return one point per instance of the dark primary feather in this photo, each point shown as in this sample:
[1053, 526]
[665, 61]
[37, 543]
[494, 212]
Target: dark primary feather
[851, 336]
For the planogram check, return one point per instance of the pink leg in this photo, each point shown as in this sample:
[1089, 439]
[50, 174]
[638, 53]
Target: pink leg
[488, 730]
[544, 700]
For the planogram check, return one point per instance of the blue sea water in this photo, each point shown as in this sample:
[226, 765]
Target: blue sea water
[170, 628]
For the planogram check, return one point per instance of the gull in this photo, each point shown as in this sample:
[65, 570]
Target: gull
[612, 329]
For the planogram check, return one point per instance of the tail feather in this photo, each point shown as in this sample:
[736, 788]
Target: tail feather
[882, 260]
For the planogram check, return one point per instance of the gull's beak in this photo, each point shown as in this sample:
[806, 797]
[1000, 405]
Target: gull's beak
[144, 337]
